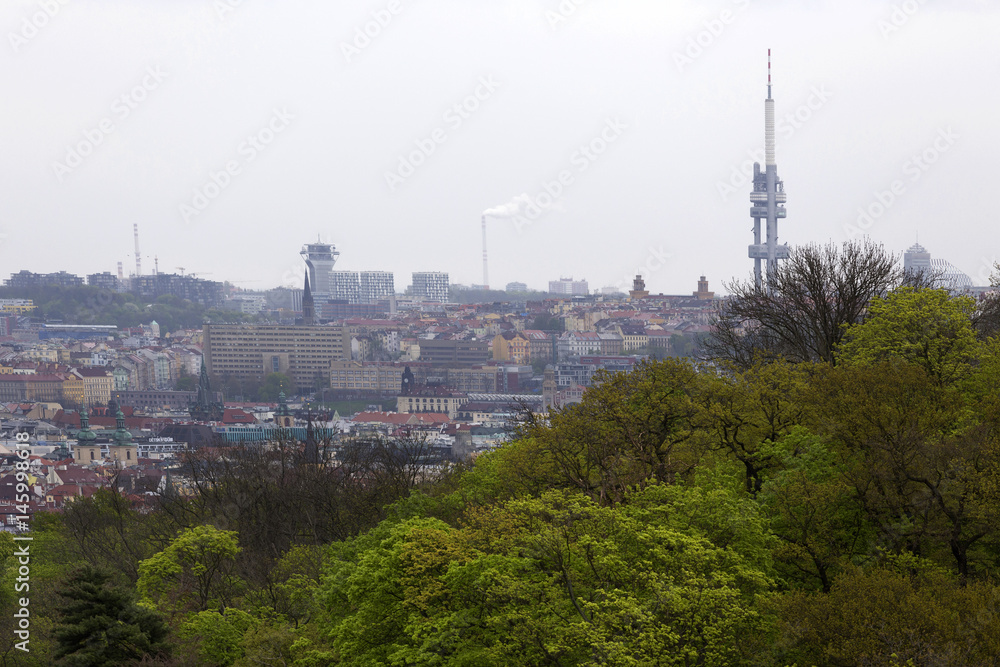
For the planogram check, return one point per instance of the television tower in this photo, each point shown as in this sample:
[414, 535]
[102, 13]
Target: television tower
[766, 199]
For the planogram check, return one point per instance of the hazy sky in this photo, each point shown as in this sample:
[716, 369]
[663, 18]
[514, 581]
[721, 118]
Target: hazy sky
[234, 131]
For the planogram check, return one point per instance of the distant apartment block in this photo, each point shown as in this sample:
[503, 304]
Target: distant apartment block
[151, 399]
[365, 287]
[345, 286]
[285, 298]
[444, 401]
[480, 379]
[106, 280]
[252, 351]
[206, 292]
[461, 352]
[431, 286]
[29, 279]
[373, 376]
[517, 287]
[377, 286]
[251, 303]
[569, 287]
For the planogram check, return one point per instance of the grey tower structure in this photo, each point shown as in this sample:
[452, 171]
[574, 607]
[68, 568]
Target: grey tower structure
[320, 258]
[766, 199]
[917, 260]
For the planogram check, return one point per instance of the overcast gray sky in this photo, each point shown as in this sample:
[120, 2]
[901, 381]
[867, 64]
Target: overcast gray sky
[234, 131]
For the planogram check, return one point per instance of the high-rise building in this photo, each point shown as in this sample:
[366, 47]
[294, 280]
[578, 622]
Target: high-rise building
[206, 292]
[345, 286]
[917, 260]
[106, 280]
[431, 286]
[320, 258]
[377, 286]
[766, 199]
[366, 287]
[517, 287]
[26, 278]
[569, 287]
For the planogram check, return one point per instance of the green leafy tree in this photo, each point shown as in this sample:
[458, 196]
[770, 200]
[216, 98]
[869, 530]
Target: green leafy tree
[918, 455]
[631, 428]
[100, 624]
[746, 410]
[218, 636]
[273, 384]
[814, 512]
[195, 572]
[893, 614]
[558, 580]
[927, 327]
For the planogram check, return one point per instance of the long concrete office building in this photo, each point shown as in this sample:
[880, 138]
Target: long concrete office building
[251, 351]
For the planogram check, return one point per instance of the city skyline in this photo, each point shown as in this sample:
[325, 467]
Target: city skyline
[652, 114]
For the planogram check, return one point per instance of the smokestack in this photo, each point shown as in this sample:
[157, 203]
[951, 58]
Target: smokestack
[138, 258]
[486, 272]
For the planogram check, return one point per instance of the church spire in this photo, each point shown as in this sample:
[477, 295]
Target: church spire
[308, 307]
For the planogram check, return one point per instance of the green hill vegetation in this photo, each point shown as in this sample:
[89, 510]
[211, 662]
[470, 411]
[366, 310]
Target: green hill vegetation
[92, 305]
[823, 512]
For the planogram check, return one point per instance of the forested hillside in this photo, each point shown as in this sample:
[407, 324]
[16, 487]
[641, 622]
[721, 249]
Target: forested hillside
[833, 512]
[91, 305]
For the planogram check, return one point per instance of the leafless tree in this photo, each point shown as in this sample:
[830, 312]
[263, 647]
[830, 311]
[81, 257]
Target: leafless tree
[987, 315]
[801, 312]
[279, 494]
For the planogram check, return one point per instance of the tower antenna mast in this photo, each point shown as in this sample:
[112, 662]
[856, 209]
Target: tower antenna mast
[767, 198]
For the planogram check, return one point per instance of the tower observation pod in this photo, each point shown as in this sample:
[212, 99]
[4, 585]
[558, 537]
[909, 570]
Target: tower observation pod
[767, 198]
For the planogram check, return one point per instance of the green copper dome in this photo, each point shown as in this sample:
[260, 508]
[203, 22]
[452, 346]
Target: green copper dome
[85, 436]
[122, 435]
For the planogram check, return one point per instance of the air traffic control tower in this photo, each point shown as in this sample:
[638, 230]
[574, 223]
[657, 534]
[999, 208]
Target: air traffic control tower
[767, 196]
[320, 258]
